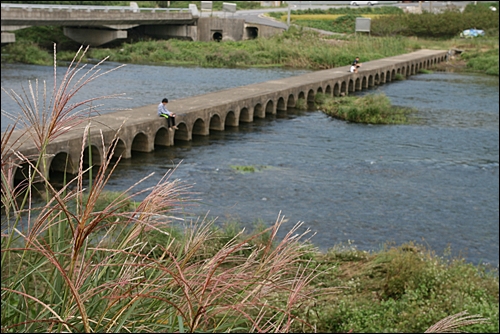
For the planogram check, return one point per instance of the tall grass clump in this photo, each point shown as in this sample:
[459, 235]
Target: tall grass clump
[479, 61]
[83, 264]
[370, 109]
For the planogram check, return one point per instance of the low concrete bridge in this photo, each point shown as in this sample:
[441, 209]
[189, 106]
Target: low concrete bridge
[200, 115]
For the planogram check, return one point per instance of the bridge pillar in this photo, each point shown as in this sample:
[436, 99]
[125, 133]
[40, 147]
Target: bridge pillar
[8, 37]
[94, 37]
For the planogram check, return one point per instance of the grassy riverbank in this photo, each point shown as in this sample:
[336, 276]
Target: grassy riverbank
[296, 48]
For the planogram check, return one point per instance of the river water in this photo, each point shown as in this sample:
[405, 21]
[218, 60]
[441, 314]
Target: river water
[435, 183]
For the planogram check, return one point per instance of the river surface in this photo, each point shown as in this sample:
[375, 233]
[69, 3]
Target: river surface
[435, 182]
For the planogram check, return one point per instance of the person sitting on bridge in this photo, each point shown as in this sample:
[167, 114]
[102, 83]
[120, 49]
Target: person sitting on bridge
[356, 63]
[164, 112]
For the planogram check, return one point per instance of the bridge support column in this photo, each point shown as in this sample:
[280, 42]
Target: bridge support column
[8, 37]
[94, 37]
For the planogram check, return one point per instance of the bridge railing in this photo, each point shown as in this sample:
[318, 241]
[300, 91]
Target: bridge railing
[105, 9]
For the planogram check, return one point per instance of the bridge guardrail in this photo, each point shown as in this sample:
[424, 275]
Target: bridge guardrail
[29, 7]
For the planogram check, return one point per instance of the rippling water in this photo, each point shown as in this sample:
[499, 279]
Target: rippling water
[435, 183]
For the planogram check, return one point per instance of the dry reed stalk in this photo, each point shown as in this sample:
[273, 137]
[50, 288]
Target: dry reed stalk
[453, 323]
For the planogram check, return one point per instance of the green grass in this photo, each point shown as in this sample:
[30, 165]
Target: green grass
[370, 109]
[482, 61]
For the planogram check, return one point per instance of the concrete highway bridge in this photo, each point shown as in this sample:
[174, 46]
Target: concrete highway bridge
[98, 25]
[142, 129]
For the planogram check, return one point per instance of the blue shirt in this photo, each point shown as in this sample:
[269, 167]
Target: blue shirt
[163, 110]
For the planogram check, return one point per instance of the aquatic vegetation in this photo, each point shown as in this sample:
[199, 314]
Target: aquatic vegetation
[248, 169]
[370, 109]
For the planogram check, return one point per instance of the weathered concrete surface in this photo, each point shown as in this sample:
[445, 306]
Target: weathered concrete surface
[141, 128]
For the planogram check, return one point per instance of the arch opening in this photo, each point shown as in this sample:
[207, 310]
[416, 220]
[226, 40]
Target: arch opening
[199, 128]
[140, 143]
[230, 119]
[61, 168]
[245, 115]
[258, 111]
[216, 123]
[162, 137]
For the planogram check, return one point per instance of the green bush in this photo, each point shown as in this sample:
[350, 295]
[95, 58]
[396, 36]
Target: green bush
[26, 52]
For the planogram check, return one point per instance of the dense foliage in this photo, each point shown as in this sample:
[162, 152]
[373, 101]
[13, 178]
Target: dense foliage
[400, 290]
[443, 25]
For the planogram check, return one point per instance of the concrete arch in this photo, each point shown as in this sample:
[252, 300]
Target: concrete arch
[319, 90]
[336, 89]
[357, 85]
[141, 143]
[382, 77]
[388, 76]
[376, 80]
[328, 90]
[216, 123]
[231, 119]
[258, 111]
[302, 95]
[22, 174]
[245, 115]
[92, 156]
[343, 88]
[368, 82]
[270, 109]
[61, 162]
[200, 128]
[182, 133]
[281, 106]
[351, 86]
[119, 149]
[163, 137]
[310, 98]
[291, 101]
[393, 74]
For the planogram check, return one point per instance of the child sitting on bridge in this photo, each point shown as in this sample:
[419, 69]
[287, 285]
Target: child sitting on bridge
[355, 65]
[164, 112]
